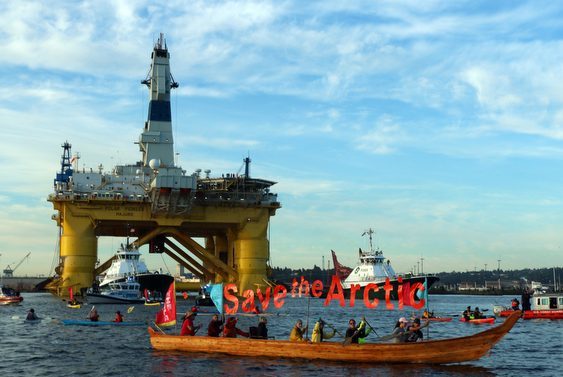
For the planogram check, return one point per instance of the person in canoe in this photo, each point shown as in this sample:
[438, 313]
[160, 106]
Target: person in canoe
[215, 326]
[365, 331]
[231, 330]
[477, 313]
[262, 332]
[399, 332]
[118, 317]
[188, 327]
[297, 332]
[31, 316]
[319, 334]
[414, 333]
[355, 333]
[93, 315]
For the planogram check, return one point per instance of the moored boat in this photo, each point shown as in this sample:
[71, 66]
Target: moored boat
[445, 351]
[9, 296]
[542, 306]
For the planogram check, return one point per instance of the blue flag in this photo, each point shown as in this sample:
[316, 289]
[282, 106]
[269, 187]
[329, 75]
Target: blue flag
[216, 294]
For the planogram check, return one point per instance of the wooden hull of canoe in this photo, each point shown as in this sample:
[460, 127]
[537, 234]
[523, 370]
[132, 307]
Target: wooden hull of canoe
[445, 351]
[543, 314]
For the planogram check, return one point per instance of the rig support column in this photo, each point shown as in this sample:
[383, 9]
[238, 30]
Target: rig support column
[79, 246]
[251, 255]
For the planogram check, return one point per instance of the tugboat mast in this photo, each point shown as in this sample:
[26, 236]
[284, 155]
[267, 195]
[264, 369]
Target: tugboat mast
[369, 232]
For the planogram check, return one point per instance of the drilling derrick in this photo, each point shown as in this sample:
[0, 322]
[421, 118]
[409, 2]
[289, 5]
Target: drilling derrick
[159, 205]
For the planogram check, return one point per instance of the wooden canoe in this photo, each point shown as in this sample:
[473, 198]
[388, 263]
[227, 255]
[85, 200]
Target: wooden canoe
[444, 351]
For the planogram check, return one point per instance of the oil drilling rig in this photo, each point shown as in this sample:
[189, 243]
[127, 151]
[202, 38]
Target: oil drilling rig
[157, 203]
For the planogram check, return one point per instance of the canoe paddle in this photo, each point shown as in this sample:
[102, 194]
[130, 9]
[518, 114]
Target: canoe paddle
[130, 310]
[372, 329]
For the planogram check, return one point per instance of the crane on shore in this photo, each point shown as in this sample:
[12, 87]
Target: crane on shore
[9, 271]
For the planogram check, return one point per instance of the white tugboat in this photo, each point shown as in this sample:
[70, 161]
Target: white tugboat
[374, 268]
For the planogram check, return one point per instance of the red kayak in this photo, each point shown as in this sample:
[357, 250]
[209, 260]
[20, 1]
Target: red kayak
[479, 320]
[438, 319]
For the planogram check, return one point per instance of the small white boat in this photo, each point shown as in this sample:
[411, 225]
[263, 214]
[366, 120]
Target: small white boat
[9, 296]
[126, 292]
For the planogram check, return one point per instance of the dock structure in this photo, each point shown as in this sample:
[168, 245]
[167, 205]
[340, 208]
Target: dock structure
[157, 203]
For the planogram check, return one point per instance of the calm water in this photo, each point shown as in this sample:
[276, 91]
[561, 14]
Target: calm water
[48, 348]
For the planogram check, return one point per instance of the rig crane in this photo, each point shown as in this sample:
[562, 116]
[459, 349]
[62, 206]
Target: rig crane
[9, 272]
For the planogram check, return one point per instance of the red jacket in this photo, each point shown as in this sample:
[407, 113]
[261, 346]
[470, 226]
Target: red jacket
[188, 327]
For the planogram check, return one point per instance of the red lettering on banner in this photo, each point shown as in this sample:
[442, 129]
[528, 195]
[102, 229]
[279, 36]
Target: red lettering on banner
[248, 305]
[264, 301]
[417, 287]
[367, 303]
[231, 298]
[335, 284]
[279, 293]
[407, 294]
[353, 289]
[304, 283]
[317, 288]
[400, 292]
[294, 285]
[388, 288]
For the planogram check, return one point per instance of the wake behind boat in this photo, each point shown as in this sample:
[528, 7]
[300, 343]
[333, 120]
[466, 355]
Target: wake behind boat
[374, 268]
[444, 351]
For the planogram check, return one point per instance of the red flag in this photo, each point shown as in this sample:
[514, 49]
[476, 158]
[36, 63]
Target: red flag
[70, 294]
[146, 295]
[167, 315]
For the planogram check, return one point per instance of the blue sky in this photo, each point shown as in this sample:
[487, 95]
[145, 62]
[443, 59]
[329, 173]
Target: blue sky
[437, 124]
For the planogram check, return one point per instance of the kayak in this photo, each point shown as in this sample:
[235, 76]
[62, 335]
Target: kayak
[75, 306]
[479, 320]
[85, 322]
[154, 303]
[438, 319]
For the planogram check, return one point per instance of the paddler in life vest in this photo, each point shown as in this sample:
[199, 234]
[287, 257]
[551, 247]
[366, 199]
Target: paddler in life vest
[467, 313]
[188, 328]
[231, 330]
[297, 332]
[319, 334]
[118, 317]
[355, 333]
